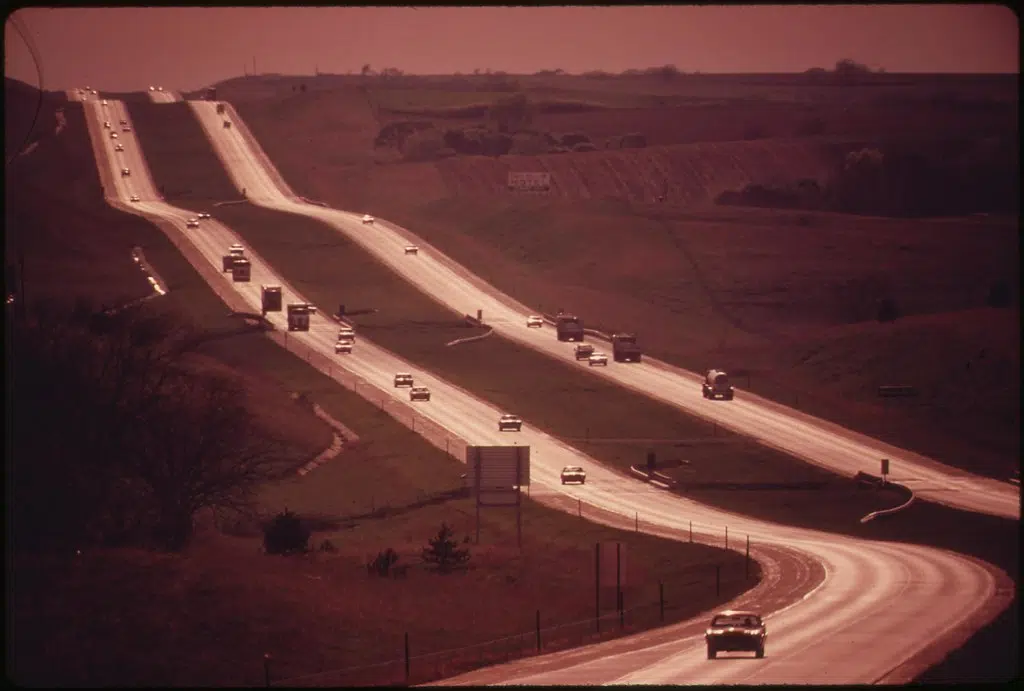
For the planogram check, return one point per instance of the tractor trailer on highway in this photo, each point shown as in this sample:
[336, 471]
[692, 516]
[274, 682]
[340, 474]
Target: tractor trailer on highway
[625, 349]
[569, 327]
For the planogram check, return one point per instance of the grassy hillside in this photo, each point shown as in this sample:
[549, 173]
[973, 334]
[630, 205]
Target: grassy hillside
[766, 292]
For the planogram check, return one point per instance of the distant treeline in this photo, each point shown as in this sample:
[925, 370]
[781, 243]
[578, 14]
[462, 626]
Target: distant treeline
[979, 175]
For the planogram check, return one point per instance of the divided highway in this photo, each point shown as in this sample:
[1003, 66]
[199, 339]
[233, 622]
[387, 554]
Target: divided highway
[840, 450]
[901, 607]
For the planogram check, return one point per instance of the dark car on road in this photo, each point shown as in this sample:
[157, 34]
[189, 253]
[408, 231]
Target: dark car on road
[733, 630]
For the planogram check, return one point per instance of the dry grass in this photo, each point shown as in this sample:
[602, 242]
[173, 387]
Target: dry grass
[761, 291]
[251, 604]
[212, 612]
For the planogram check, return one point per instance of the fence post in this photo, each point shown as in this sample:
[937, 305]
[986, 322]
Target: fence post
[746, 563]
[727, 537]
[637, 519]
[447, 448]
[661, 599]
[718, 579]
[266, 669]
[622, 610]
[579, 507]
[414, 423]
[538, 630]
[691, 531]
[406, 657]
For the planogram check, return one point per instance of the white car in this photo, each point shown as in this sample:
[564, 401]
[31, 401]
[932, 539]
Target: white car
[203, 214]
[367, 219]
[511, 422]
[236, 250]
[347, 332]
[159, 88]
[134, 198]
[412, 249]
[573, 473]
[125, 172]
[343, 347]
[403, 379]
[152, 89]
[192, 223]
[113, 135]
[106, 124]
[104, 101]
[598, 359]
[419, 393]
[118, 147]
[534, 321]
[126, 128]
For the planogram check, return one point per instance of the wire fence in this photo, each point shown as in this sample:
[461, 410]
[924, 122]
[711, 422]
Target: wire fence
[401, 411]
[661, 605]
[405, 664]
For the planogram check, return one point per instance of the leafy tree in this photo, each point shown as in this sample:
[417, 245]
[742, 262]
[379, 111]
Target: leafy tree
[285, 534]
[443, 551]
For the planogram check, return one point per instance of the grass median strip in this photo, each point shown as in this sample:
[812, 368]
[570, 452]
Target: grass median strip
[560, 398]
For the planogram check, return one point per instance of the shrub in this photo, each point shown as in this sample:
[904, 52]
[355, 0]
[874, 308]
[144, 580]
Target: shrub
[424, 145]
[998, 294]
[887, 310]
[811, 127]
[381, 565]
[753, 131]
[633, 140]
[584, 146]
[443, 551]
[285, 534]
[573, 138]
[495, 144]
[395, 133]
[528, 145]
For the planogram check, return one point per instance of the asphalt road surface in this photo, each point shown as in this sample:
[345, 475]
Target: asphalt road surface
[839, 610]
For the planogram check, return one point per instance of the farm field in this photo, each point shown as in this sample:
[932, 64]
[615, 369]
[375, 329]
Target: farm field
[786, 297]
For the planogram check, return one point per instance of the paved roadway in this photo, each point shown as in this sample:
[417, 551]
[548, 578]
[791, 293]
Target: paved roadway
[900, 606]
[836, 448]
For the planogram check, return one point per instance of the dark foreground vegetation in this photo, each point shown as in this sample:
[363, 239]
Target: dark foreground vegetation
[118, 436]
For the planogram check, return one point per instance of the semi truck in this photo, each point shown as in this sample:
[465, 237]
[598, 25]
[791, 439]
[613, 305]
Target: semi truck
[569, 327]
[625, 349]
[271, 298]
[298, 316]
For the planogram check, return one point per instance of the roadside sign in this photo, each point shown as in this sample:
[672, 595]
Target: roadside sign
[885, 466]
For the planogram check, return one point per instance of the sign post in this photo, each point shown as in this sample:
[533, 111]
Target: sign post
[885, 470]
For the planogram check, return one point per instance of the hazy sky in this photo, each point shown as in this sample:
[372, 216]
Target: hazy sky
[127, 49]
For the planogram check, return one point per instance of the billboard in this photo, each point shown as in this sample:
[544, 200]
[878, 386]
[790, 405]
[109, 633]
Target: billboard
[529, 182]
[500, 468]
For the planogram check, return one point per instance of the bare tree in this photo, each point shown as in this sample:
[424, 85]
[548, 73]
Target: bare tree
[110, 417]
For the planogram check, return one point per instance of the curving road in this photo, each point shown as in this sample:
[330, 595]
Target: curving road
[902, 606]
[826, 444]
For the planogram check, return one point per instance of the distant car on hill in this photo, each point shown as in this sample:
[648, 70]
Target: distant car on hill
[510, 422]
[368, 219]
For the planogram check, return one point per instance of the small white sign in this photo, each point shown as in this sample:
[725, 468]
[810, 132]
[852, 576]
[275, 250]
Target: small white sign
[529, 182]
